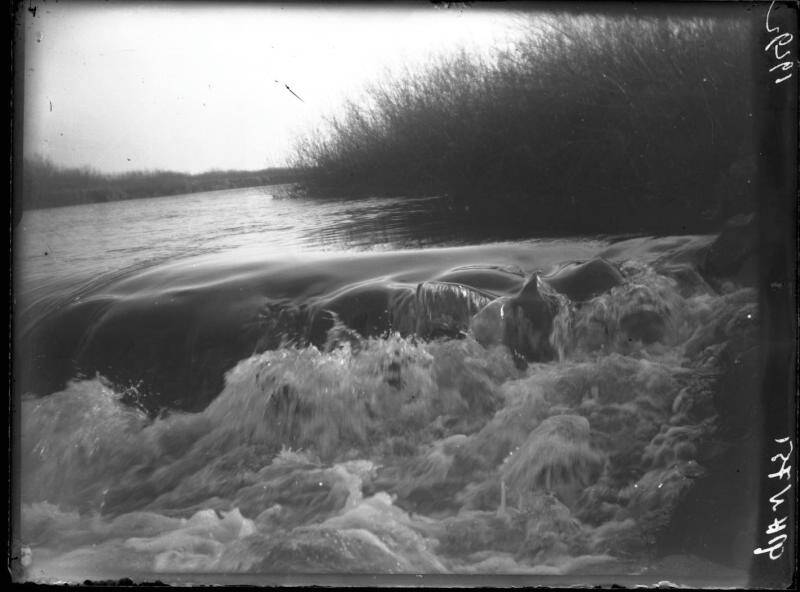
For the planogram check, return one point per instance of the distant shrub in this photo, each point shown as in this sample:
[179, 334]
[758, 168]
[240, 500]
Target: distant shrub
[46, 184]
[584, 123]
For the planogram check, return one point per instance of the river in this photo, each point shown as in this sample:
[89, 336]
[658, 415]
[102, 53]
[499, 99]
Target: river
[236, 382]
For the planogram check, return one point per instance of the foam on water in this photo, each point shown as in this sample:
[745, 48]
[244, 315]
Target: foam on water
[394, 454]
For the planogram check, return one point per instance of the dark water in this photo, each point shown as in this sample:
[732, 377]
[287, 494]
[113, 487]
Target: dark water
[230, 383]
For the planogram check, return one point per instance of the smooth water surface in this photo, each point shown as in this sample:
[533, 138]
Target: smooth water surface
[58, 249]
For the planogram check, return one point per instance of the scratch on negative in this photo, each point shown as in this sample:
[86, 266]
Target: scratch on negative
[294, 93]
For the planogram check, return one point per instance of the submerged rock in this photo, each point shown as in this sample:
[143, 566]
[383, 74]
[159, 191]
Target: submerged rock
[581, 281]
[523, 323]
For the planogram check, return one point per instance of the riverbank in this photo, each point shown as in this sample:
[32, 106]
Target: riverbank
[46, 185]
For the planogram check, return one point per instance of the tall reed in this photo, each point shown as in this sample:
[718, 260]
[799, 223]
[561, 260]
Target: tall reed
[584, 123]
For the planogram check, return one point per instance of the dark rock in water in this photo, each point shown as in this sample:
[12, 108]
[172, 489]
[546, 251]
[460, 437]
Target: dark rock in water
[582, 281]
[523, 323]
[529, 321]
[734, 253]
[436, 309]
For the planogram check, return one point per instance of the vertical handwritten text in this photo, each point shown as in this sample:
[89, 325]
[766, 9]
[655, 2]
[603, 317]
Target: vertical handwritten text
[776, 46]
[778, 526]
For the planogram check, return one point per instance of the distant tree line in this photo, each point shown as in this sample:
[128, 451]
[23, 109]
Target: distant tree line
[586, 123]
[46, 184]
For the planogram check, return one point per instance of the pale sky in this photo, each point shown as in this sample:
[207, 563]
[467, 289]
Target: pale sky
[190, 87]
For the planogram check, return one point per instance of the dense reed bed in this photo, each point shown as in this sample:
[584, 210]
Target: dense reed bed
[584, 124]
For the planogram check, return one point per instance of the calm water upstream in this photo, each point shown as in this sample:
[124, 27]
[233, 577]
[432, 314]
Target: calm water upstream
[240, 382]
[60, 248]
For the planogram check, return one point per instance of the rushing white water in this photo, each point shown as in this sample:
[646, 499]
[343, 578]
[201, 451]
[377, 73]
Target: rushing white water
[381, 445]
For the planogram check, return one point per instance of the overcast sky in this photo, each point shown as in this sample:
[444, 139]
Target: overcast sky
[195, 87]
